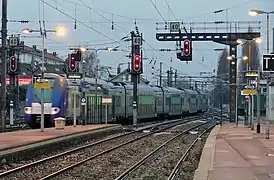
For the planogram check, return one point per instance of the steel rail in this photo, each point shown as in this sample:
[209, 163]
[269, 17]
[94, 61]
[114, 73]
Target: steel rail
[176, 168]
[109, 150]
[14, 170]
[144, 159]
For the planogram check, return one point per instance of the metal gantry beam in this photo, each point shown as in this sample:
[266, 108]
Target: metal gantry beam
[222, 38]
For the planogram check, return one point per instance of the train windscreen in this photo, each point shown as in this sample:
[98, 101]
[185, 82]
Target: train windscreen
[37, 94]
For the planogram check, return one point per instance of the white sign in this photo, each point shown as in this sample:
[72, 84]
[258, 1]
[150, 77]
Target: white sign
[106, 100]
[13, 41]
[83, 101]
[137, 40]
[174, 26]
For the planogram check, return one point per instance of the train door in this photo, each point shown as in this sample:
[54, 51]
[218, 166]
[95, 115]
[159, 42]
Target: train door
[94, 110]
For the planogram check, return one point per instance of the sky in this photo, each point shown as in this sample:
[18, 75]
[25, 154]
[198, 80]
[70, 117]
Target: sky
[94, 20]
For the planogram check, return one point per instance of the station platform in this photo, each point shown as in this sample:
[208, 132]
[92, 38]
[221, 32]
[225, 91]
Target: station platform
[237, 153]
[12, 142]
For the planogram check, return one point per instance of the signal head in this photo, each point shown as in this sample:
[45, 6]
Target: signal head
[187, 47]
[137, 63]
[13, 63]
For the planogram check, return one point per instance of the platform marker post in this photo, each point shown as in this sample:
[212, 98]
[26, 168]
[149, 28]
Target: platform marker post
[268, 109]
[106, 111]
[252, 110]
[11, 113]
[74, 108]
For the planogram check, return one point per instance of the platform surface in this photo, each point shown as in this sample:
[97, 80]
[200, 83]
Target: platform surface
[20, 138]
[237, 153]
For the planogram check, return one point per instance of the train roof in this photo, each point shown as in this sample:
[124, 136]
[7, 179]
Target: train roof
[174, 90]
[189, 91]
[48, 75]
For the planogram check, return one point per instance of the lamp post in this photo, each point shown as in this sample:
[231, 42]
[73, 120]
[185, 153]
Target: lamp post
[249, 42]
[110, 49]
[236, 110]
[59, 31]
[255, 12]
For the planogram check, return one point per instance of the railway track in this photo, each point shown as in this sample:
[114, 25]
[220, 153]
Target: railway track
[159, 162]
[176, 170]
[52, 166]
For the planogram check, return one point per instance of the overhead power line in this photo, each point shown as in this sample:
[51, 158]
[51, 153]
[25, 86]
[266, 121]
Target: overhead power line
[171, 10]
[157, 10]
[80, 22]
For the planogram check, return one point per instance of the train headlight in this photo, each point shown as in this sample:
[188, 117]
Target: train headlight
[27, 110]
[55, 110]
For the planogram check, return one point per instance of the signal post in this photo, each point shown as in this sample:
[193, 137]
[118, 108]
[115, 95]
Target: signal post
[13, 71]
[72, 71]
[136, 70]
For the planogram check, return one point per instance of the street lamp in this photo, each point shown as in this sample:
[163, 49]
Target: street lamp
[243, 58]
[97, 68]
[60, 31]
[234, 63]
[255, 12]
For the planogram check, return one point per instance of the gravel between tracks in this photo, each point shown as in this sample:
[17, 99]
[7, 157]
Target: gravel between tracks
[111, 165]
[50, 166]
[160, 165]
[61, 162]
[43, 153]
[188, 167]
[21, 160]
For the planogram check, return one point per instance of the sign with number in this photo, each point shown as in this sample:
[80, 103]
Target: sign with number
[14, 41]
[174, 26]
[268, 62]
[137, 40]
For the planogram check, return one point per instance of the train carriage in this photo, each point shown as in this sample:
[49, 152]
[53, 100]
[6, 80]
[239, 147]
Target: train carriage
[154, 101]
[175, 102]
[192, 101]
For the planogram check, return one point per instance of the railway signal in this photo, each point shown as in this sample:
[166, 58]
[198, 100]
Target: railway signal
[13, 64]
[187, 47]
[136, 69]
[72, 62]
[137, 63]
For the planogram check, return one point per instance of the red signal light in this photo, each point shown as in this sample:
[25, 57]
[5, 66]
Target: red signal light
[72, 62]
[186, 47]
[137, 63]
[13, 64]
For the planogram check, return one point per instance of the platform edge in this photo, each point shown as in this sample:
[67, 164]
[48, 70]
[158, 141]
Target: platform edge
[114, 128]
[207, 157]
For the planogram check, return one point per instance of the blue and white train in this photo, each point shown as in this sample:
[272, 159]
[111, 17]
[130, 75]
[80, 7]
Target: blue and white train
[153, 101]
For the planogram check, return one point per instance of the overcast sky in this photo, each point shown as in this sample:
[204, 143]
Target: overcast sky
[94, 26]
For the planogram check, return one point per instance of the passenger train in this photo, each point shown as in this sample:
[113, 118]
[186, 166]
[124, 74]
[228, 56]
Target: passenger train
[153, 101]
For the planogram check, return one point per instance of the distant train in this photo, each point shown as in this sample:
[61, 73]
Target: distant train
[154, 101]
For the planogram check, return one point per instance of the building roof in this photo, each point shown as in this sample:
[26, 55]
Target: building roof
[50, 56]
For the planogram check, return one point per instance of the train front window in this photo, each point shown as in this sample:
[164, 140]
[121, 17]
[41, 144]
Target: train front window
[37, 95]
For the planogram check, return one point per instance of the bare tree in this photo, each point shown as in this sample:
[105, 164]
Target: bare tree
[90, 64]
